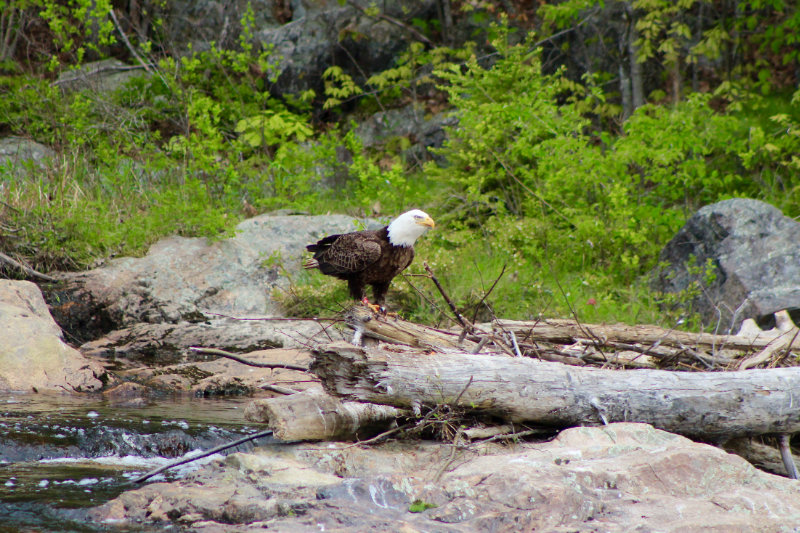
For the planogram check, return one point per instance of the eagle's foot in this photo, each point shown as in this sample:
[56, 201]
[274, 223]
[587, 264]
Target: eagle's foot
[377, 309]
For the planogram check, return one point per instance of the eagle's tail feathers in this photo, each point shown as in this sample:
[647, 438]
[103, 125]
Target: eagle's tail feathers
[310, 263]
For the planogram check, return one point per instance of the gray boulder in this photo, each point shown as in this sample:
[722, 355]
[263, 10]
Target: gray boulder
[196, 24]
[191, 279]
[16, 152]
[411, 122]
[755, 253]
[304, 48]
[33, 355]
[102, 76]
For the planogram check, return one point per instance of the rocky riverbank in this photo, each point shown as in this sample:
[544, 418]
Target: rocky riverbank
[134, 320]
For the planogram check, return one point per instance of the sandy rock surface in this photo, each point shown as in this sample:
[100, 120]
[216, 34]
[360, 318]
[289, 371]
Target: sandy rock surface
[33, 354]
[622, 477]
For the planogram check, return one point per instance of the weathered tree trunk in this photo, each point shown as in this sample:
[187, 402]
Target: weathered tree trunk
[710, 405]
[315, 415]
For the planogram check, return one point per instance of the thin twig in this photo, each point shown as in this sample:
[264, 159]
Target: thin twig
[514, 343]
[273, 319]
[502, 345]
[379, 436]
[486, 295]
[589, 333]
[461, 320]
[126, 41]
[206, 453]
[228, 355]
[460, 394]
[517, 434]
[277, 388]
[425, 297]
[450, 459]
[480, 344]
[788, 350]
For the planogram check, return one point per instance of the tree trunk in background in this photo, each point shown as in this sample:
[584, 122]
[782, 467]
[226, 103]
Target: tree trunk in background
[637, 84]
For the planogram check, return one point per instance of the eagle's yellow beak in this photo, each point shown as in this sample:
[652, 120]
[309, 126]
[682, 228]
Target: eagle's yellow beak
[427, 221]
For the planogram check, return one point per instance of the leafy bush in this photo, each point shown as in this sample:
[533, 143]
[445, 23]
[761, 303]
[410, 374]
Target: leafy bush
[579, 213]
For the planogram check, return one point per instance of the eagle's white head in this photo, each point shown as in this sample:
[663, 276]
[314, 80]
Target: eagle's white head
[408, 227]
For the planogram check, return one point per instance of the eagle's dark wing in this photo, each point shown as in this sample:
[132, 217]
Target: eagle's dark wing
[349, 253]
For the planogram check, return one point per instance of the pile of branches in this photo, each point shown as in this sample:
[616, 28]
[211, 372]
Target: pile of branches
[610, 346]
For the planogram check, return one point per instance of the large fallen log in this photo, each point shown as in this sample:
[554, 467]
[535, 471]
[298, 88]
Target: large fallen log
[708, 405]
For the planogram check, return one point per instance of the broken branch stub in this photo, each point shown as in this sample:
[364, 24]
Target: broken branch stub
[315, 415]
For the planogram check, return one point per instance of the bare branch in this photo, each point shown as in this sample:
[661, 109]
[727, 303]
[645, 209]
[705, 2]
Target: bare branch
[461, 320]
[27, 270]
[228, 355]
[212, 451]
[125, 40]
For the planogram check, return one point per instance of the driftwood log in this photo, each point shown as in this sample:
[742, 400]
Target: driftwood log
[650, 346]
[608, 345]
[709, 405]
[315, 415]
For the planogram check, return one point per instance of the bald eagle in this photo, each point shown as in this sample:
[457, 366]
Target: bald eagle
[372, 257]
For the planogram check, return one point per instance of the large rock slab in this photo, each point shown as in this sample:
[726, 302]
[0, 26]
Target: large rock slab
[755, 253]
[191, 279]
[33, 355]
[621, 477]
[166, 343]
[219, 376]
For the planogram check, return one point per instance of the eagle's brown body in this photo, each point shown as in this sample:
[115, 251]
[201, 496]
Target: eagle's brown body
[361, 258]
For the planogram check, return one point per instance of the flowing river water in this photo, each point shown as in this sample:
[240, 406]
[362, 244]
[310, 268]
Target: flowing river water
[61, 455]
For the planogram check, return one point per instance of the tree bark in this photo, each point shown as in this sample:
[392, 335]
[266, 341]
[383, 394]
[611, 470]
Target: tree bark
[567, 331]
[637, 81]
[315, 415]
[708, 405]
[396, 330]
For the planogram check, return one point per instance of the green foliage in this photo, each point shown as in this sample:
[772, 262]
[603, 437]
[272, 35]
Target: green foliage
[78, 26]
[419, 506]
[273, 127]
[566, 206]
[546, 201]
[339, 86]
[701, 277]
[755, 40]
[72, 215]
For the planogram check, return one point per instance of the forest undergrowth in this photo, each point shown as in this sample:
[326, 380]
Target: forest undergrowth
[553, 196]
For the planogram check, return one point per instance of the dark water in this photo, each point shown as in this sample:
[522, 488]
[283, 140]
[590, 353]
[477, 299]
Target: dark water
[60, 455]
